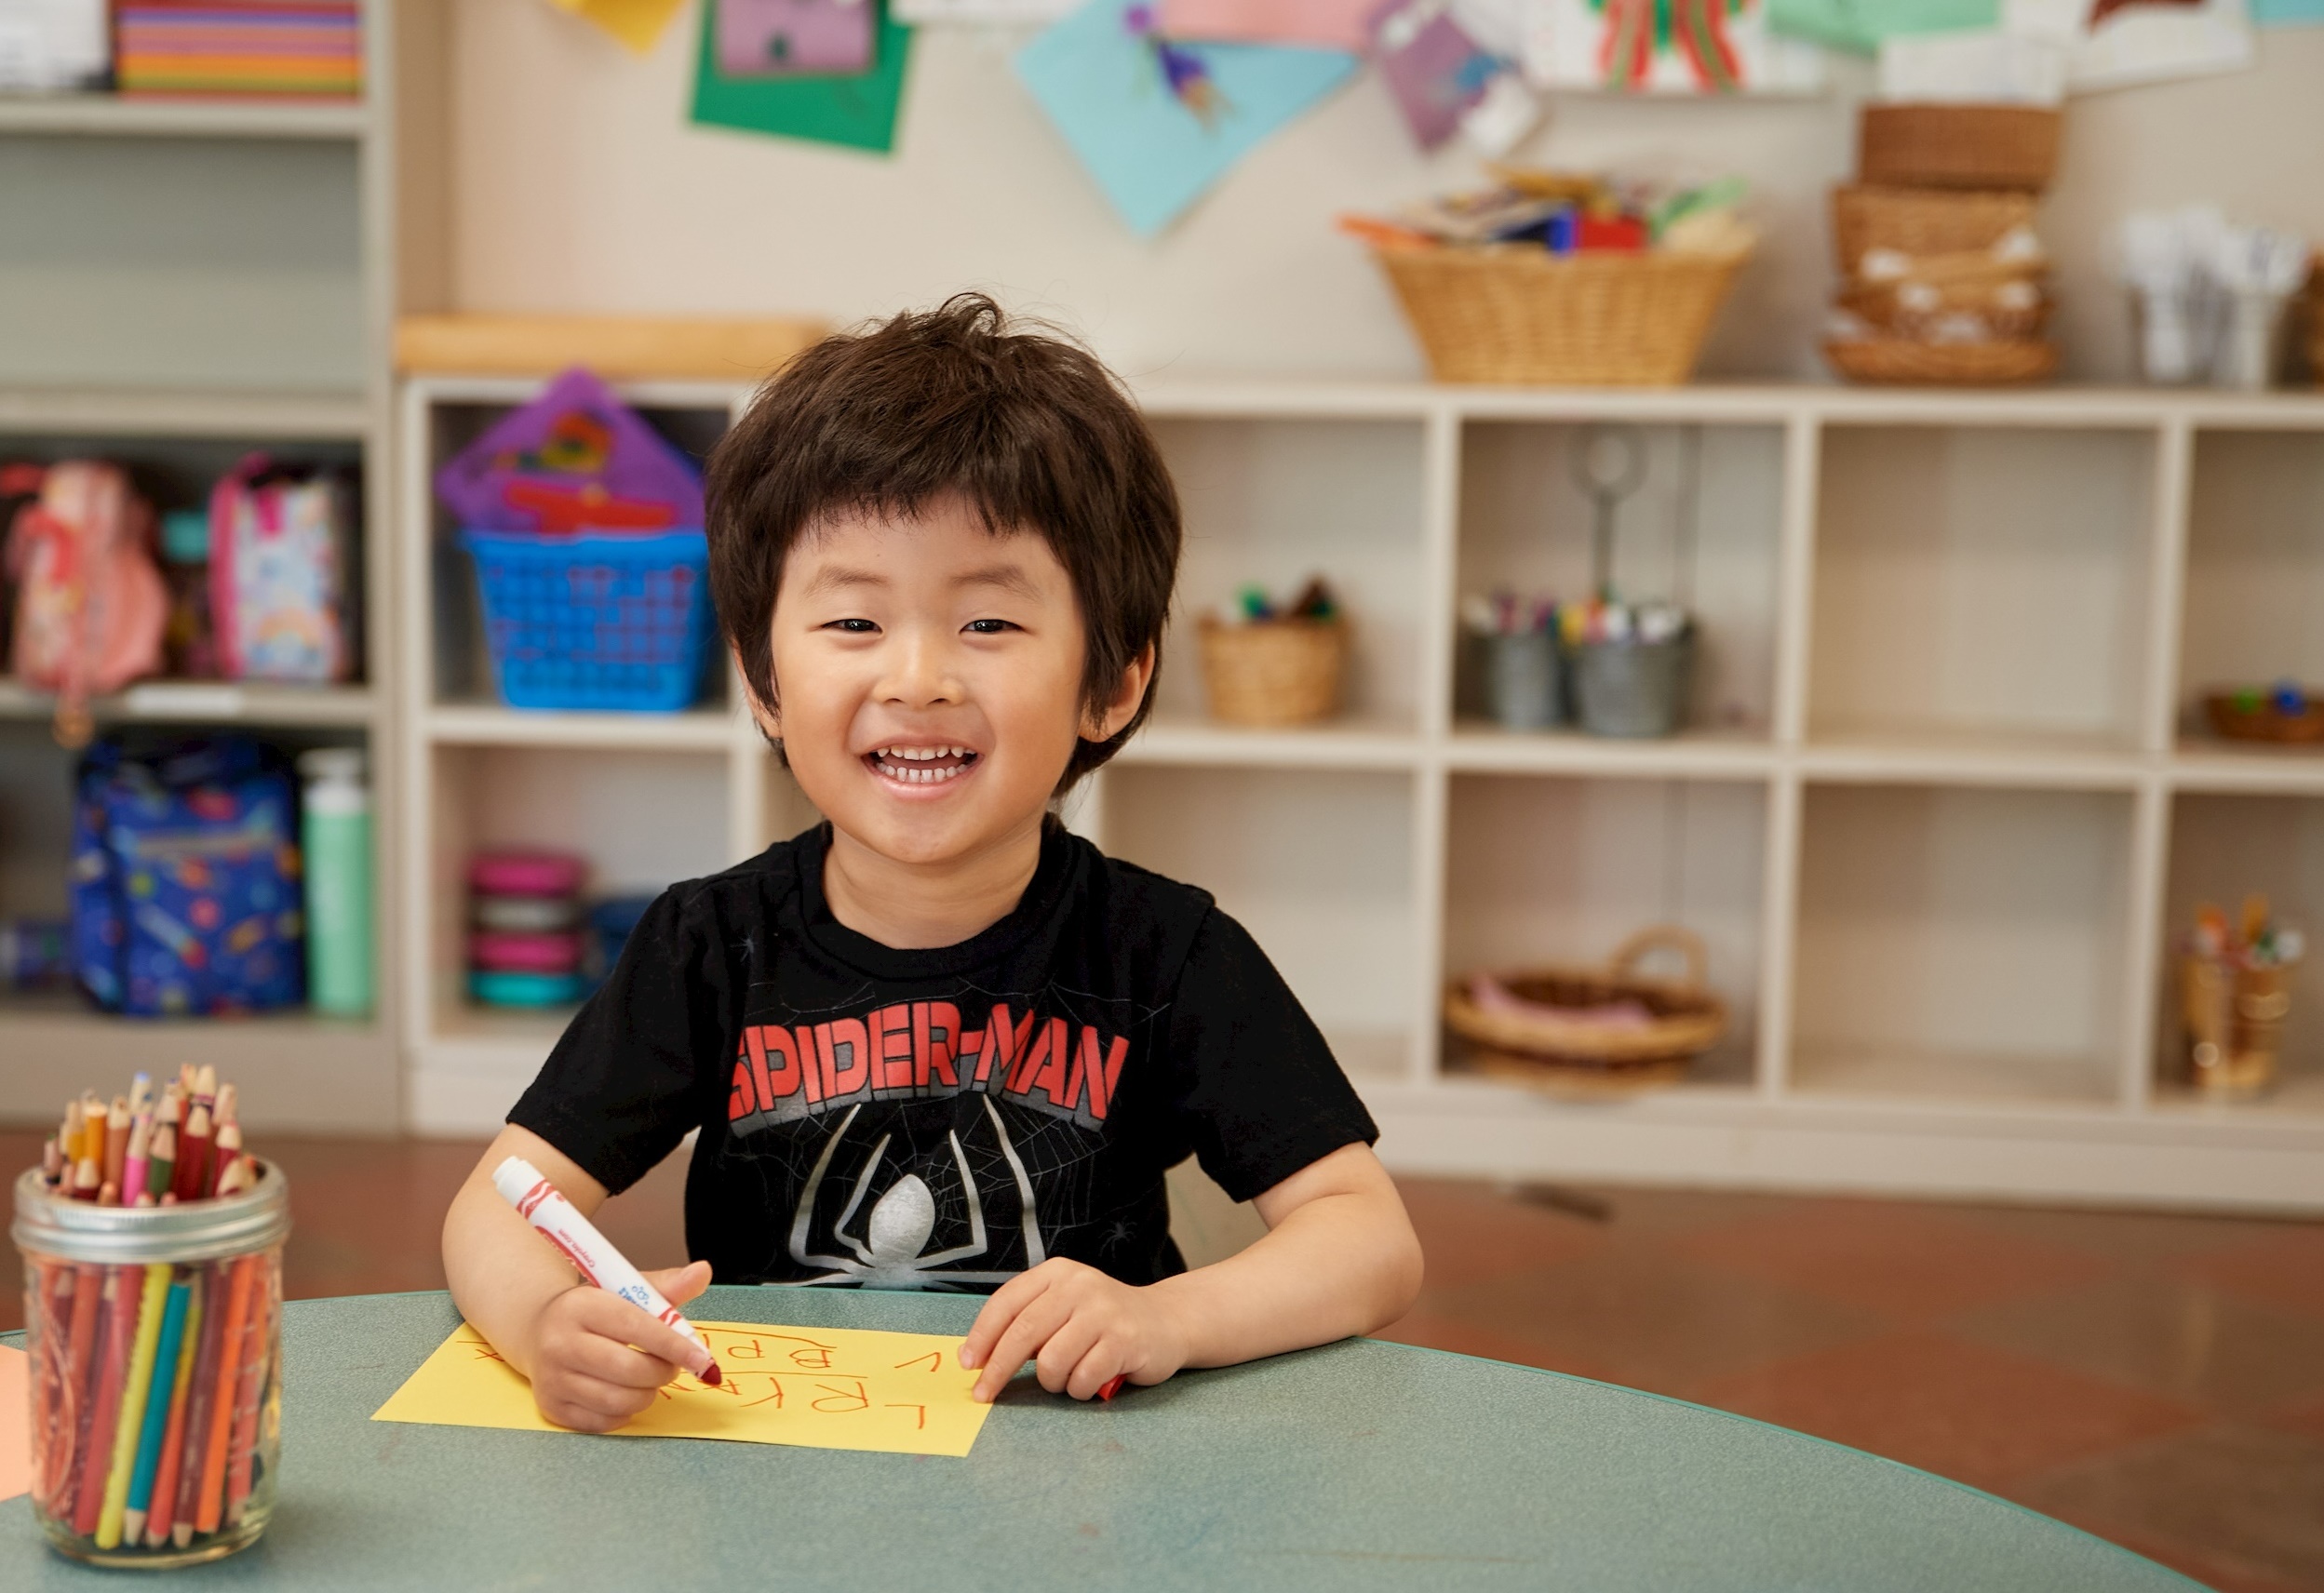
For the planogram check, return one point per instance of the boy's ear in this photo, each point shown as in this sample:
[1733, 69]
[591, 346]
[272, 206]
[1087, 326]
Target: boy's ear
[770, 720]
[1104, 724]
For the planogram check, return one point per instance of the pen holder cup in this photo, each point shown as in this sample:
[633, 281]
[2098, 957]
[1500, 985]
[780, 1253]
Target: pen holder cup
[1523, 678]
[156, 1341]
[1632, 687]
[2234, 1026]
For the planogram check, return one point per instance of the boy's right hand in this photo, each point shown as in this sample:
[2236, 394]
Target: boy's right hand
[596, 1358]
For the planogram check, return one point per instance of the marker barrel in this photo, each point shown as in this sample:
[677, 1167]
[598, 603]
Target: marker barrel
[555, 1219]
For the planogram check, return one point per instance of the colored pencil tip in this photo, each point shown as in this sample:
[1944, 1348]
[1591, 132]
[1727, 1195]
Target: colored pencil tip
[1113, 1386]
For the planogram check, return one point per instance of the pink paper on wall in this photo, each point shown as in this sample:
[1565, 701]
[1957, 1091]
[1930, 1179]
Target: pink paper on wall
[1331, 24]
[774, 38]
[16, 1424]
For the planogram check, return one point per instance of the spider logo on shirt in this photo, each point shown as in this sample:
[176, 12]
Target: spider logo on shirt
[893, 1252]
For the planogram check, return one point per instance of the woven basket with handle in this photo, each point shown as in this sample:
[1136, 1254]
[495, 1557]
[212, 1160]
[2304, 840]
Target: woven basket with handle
[1582, 1051]
[1517, 313]
[1958, 146]
[1999, 363]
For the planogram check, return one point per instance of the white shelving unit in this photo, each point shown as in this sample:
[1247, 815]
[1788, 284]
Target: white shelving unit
[213, 278]
[1941, 803]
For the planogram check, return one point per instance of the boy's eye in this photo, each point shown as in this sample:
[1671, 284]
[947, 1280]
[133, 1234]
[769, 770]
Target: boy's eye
[988, 627]
[853, 628]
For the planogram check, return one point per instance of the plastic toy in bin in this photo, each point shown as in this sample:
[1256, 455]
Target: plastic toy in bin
[586, 528]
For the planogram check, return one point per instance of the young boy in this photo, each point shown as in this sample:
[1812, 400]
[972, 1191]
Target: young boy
[937, 1042]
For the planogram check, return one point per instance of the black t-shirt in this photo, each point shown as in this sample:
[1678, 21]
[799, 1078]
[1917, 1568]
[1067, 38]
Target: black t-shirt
[945, 1119]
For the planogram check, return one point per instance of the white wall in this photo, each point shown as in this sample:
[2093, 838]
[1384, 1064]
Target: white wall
[579, 185]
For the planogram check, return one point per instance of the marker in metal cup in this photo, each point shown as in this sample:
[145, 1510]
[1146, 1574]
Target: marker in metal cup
[539, 1202]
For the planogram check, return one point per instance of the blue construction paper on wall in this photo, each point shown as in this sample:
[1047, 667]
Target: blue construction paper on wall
[855, 108]
[2283, 13]
[1156, 121]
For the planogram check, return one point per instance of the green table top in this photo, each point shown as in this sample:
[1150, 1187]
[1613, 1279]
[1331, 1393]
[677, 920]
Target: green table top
[1362, 1464]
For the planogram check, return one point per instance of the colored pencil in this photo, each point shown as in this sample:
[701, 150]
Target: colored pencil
[51, 1161]
[163, 1506]
[225, 1150]
[113, 1370]
[162, 1157]
[88, 1179]
[228, 1102]
[69, 1136]
[190, 1177]
[141, 1092]
[130, 1425]
[117, 1137]
[80, 1354]
[167, 1351]
[109, 1192]
[56, 1287]
[209, 1499]
[199, 1403]
[92, 1126]
[134, 1169]
[204, 1090]
[249, 1394]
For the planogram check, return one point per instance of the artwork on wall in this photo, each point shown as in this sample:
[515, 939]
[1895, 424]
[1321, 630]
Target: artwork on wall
[1675, 46]
[855, 110]
[637, 23]
[2144, 41]
[1157, 120]
[778, 38]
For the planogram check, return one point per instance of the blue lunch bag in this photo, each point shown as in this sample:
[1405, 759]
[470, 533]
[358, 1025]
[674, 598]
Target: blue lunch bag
[187, 896]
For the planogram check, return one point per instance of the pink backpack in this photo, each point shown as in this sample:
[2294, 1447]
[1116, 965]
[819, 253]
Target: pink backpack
[90, 606]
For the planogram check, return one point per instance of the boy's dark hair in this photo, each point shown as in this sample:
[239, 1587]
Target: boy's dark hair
[1028, 429]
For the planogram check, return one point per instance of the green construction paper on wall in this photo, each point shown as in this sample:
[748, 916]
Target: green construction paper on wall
[855, 108]
[2286, 13]
[1860, 25]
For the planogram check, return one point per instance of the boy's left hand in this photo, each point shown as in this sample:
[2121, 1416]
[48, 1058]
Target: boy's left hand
[1081, 1327]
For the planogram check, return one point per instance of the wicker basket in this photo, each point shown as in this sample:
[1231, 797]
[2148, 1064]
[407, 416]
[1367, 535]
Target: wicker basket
[1919, 221]
[1273, 672]
[1521, 314]
[1940, 365]
[2231, 717]
[1958, 146]
[1592, 1057]
[1882, 306]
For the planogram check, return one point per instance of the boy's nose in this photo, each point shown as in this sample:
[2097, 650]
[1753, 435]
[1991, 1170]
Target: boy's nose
[920, 671]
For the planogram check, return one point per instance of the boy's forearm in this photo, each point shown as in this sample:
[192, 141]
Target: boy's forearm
[1339, 1264]
[499, 1272]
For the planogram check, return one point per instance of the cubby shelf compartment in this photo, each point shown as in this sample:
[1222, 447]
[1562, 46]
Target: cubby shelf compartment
[209, 702]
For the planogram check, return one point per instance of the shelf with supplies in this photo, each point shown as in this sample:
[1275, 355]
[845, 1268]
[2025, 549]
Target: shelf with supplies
[1932, 879]
[214, 277]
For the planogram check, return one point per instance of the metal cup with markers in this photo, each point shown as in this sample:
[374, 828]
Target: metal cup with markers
[155, 1336]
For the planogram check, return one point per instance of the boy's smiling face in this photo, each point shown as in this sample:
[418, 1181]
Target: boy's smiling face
[930, 680]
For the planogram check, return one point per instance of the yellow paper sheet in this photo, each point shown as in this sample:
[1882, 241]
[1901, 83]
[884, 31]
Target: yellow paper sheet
[817, 1388]
[635, 23]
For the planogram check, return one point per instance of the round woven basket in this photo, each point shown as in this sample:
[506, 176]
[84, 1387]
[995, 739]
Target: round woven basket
[1958, 146]
[1517, 313]
[1921, 222]
[1940, 365]
[1273, 672]
[1566, 1054]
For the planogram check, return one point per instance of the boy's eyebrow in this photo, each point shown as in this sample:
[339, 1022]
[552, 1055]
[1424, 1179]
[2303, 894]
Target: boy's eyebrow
[1008, 577]
[834, 577]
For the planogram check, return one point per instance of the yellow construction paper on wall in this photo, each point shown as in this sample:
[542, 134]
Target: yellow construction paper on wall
[635, 23]
[817, 1387]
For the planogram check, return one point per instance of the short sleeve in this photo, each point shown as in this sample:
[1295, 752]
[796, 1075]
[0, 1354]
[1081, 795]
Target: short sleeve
[1260, 1095]
[628, 1079]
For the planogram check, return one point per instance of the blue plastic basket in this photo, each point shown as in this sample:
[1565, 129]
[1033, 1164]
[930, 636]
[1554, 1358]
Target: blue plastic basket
[595, 619]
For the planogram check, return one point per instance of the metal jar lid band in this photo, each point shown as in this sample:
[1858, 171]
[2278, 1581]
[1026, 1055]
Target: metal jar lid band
[49, 1224]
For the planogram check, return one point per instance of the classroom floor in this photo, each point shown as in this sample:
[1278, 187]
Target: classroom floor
[2156, 1379]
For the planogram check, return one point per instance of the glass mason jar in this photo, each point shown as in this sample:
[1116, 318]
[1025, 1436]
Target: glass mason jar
[155, 1338]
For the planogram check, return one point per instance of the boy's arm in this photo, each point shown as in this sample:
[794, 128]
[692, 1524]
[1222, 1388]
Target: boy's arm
[1339, 1258]
[573, 1341]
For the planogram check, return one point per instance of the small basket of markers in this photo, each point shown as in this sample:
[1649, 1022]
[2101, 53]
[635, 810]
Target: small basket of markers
[1275, 664]
[152, 1280]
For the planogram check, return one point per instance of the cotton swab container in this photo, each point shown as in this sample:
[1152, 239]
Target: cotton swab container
[155, 1335]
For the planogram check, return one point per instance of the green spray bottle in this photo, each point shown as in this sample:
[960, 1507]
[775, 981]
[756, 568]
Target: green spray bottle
[335, 832]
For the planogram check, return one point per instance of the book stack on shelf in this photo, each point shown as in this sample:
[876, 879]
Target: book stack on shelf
[309, 49]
